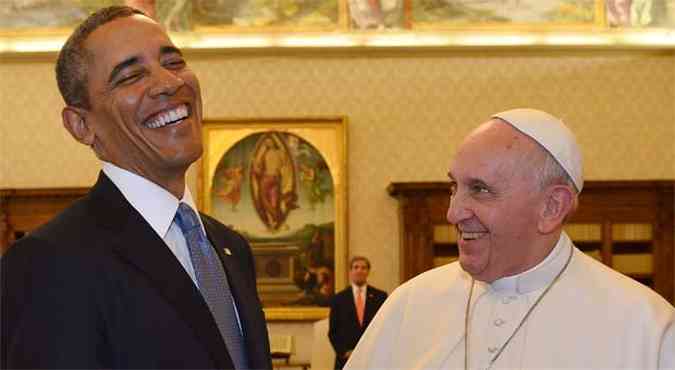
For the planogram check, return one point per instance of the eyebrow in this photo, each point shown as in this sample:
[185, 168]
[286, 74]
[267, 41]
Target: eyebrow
[134, 60]
[475, 180]
[169, 49]
[121, 66]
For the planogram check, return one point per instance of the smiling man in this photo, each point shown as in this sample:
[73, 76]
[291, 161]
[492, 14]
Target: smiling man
[131, 276]
[521, 296]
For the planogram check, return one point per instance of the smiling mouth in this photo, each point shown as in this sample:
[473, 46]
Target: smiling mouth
[169, 117]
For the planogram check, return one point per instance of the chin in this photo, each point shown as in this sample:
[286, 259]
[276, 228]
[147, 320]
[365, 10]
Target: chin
[196, 154]
[472, 267]
[188, 156]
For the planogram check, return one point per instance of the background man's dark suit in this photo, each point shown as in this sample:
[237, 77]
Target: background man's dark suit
[344, 329]
[113, 295]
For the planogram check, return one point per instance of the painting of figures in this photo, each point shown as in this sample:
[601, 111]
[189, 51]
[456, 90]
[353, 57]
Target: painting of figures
[279, 190]
[505, 12]
[47, 14]
[177, 15]
[377, 14]
[640, 13]
[194, 15]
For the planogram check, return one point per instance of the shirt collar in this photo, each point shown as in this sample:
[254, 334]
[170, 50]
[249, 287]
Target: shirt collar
[355, 288]
[538, 276]
[535, 278]
[156, 205]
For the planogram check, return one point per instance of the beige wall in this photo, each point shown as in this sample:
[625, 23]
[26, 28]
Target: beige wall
[407, 113]
[407, 110]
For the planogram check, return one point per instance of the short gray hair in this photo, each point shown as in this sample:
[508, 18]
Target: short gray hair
[552, 173]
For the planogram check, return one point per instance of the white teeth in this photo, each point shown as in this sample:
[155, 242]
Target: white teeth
[471, 236]
[173, 115]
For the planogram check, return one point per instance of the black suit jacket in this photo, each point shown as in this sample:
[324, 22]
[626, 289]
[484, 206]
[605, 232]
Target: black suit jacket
[344, 330]
[97, 288]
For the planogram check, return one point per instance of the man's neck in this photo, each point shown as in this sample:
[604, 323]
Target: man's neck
[171, 180]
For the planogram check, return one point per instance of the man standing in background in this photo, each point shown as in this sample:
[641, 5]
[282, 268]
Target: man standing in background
[352, 309]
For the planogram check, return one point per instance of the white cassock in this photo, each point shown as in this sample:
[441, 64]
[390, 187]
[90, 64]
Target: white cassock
[592, 318]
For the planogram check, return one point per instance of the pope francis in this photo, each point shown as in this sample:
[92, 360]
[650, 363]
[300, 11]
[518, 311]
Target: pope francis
[521, 296]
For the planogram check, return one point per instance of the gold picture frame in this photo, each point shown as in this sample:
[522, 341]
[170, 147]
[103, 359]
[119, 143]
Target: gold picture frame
[282, 183]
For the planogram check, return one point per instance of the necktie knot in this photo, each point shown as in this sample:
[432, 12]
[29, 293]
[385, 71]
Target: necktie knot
[186, 218]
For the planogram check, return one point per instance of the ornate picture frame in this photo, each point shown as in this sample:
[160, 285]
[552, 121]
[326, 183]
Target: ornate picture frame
[282, 184]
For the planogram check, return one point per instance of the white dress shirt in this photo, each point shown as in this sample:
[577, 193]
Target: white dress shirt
[356, 290]
[158, 207]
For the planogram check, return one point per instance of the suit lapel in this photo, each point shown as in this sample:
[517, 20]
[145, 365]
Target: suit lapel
[243, 291]
[370, 310]
[133, 239]
[233, 263]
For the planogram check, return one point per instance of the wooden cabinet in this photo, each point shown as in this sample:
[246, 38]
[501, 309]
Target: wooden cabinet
[22, 210]
[628, 225]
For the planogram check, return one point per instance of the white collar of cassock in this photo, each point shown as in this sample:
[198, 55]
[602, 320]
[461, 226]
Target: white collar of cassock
[536, 278]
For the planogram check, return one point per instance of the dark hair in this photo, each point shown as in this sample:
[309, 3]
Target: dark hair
[71, 65]
[359, 258]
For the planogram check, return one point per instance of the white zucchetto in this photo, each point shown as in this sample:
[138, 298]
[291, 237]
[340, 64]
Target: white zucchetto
[552, 134]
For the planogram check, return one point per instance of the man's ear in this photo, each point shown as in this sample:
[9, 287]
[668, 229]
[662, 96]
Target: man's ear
[558, 204]
[74, 120]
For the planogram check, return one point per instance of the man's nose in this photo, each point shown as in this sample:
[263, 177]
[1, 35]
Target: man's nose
[165, 83]
[458, 209]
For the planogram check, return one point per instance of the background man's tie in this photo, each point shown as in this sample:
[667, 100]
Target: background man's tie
[213, 283]
[360, 305]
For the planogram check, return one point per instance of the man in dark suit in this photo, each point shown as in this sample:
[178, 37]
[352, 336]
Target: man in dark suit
[130, 276]
[352, 309]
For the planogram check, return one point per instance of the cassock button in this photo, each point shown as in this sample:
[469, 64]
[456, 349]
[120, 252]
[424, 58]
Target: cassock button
[499, 322]
[492, 349]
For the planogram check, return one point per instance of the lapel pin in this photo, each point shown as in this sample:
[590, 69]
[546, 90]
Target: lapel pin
[227, 251]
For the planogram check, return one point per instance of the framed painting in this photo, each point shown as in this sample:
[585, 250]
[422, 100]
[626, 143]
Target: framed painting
[507, 14]
[282, 184]
[44, 17]
[40, 27]
[61, 16]
[378, 15]
[244, 15]
[640, 13]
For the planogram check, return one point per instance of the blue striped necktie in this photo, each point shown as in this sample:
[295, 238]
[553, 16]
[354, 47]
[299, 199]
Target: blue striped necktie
[213, 283]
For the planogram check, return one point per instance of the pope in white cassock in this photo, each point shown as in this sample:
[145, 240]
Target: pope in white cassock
[522, 296]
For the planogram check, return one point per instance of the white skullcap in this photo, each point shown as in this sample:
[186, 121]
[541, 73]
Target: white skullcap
[552, 134]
